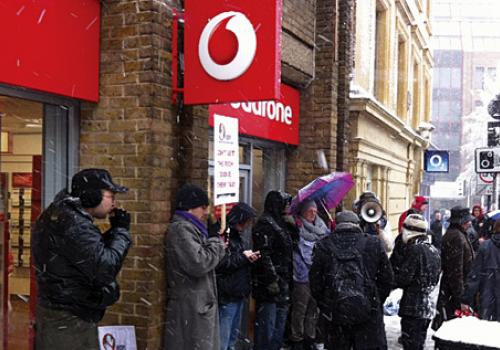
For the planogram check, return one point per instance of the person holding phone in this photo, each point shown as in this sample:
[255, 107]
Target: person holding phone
[76, 264]
[234, 274]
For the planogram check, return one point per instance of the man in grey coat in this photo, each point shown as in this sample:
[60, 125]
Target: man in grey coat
[192, 312]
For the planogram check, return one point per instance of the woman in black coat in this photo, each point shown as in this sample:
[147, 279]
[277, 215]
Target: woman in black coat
[484, 279]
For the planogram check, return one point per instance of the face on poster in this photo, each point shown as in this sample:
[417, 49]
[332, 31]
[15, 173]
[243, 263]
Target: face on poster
[226, 159]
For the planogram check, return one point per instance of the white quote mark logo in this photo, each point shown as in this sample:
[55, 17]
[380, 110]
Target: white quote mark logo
[247, 45]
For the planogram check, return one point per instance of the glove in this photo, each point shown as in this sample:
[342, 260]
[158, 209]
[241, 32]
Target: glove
[273, 288]
[119, 218]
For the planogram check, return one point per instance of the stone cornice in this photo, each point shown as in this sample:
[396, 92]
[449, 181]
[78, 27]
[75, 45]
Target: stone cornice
[390, 121]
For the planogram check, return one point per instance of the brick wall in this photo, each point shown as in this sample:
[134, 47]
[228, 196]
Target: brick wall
[318, 118]
[154, 147]
[131, 132]
[346, 65]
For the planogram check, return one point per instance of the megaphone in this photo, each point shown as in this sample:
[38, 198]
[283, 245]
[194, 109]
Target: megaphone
[371, 211]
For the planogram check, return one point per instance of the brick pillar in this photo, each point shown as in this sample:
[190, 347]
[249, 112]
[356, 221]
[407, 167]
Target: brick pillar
[318, 116]
[131, 132]
[346, 65]
[193, 131]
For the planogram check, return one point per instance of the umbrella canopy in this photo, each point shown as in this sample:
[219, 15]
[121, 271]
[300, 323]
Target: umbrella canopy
[329, 190]
[495, 215]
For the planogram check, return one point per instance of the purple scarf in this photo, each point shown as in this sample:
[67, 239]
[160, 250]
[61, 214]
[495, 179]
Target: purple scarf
[194, 220]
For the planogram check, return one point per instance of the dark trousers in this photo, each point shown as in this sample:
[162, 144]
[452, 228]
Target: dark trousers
[414, 332]
[304, 313]
[270, 325]
[61, 330]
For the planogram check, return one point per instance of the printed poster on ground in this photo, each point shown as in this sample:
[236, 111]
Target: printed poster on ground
[226, 160]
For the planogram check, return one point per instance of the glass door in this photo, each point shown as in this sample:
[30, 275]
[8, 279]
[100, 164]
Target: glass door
[39, 152]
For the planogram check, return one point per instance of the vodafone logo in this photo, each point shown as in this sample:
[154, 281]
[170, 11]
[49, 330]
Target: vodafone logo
[247, 46]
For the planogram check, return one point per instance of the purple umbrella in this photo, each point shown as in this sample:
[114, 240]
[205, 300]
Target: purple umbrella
[328, 190]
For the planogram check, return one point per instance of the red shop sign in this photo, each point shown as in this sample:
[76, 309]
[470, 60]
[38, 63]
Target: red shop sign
[271, 120]
[232, 50]
[51, 46]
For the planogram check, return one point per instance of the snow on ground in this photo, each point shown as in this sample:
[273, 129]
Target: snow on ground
[393, 332]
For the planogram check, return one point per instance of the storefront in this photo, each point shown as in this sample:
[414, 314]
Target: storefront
[39, 137]
[49, 62]
[89, 83]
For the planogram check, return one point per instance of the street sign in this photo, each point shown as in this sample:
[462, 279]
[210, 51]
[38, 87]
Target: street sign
[436, 161]
[232, 51]
[487, 160]
[271, 120]
[487, 177]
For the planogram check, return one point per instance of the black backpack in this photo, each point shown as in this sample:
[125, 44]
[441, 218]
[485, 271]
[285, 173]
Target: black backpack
[352, 293]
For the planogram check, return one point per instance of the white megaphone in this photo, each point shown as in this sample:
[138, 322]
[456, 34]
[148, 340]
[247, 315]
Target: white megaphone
[371, 211]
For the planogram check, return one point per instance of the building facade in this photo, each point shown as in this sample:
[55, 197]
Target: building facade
[465, 44]
[390, 101]
[132, 128]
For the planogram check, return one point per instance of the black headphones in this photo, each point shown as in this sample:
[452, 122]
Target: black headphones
[90, 198]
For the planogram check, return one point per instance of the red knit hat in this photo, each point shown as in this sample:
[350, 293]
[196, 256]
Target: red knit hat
[418, 202]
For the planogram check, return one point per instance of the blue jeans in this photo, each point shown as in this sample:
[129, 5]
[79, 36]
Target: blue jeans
[270, 325]
[230, 321]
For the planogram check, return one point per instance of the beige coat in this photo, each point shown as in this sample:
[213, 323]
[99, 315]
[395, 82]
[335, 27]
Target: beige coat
[192, 321]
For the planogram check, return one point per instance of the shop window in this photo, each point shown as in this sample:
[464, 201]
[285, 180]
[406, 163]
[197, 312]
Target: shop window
[21, 157]
[39, 137]
[263, 164]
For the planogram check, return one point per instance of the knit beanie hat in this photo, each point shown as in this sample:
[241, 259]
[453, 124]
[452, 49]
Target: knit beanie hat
[418, 202]
[414, 226]
[346, 220]
[190, 197]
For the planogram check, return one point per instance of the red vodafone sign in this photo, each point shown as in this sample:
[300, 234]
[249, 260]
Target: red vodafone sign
[271, 120]
[232, 51]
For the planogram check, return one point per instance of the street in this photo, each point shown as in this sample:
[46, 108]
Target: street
[393, 331]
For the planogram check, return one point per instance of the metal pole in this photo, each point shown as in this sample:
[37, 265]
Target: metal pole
[494, 198]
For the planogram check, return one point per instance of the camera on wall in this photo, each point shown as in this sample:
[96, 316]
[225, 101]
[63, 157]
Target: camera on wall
[487, 160]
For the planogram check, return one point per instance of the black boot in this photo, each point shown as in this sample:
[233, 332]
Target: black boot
[308, 344]
[296, 346]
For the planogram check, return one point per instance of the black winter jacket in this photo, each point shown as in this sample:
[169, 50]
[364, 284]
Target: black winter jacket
[484, 278]
[233, 271]
[456, 262]
[371, 334]
[272, 236]
[76, 265]
[418, 275]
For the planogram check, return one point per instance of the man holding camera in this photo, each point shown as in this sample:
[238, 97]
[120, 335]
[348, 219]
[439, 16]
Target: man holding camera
[76, 265]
